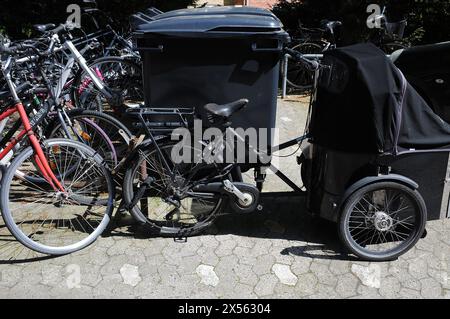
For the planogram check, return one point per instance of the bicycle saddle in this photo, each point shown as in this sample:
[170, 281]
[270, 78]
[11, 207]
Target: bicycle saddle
[226, 110]
[43, 27]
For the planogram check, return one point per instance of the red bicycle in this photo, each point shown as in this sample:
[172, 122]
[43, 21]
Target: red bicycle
[56, 195]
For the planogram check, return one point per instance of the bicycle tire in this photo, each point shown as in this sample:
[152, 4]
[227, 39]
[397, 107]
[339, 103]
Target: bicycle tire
[354, 222]
[27, 239]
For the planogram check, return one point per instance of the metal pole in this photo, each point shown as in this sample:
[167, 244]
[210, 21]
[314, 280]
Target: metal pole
[284, 75]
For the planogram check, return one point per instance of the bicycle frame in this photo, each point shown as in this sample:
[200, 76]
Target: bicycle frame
[40, 159]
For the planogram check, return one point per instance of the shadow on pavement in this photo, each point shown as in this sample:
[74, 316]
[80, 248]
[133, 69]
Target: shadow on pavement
[283, 217]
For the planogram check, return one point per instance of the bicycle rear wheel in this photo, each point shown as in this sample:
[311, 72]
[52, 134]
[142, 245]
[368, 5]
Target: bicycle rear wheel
[166, 206]
[49, 221]
[297, 76]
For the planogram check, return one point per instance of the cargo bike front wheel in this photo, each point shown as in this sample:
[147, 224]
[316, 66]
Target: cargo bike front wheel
[383, 220]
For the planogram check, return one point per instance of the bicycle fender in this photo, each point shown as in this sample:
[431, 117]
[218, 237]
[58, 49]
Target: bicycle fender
[377, 179]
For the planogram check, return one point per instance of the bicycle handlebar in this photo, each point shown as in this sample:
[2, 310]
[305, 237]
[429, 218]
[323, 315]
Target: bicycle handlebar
[22, 47]
[311, 65]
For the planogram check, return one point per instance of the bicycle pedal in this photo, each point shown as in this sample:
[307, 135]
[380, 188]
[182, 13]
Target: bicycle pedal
[180, 239]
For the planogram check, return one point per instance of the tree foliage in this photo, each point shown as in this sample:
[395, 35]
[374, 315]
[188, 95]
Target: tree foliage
[427, 19]
[17, 16]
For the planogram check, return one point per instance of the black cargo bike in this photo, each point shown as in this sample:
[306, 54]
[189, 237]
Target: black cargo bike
[375, 157]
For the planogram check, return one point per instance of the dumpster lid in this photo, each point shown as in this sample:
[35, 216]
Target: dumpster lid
[226, 10]
[212, 22]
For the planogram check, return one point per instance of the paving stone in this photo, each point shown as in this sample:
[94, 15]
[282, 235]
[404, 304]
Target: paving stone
[324, 292]
[10, 276]
[208, 275]
[119, 248]
[301, 265]
[405, 278]
[390, 287]
[189, 265]
[265, 285]
[418, 268]
[347, 285]
[263, 264]
[282, 259]
[209, 241]
[52, 275]
[226, 248]
[367, 292]
[90, 275]
[130, 274]
[155, 246]
[431, 288]
[243, 291]
[112, 267]
[169, 275]
[306, 284]
[245, 274]
[208, 255]
[112, 285]
[369, 275]
[323, 274]
[147, 285]
[284, 274]
[339, 267]
[406, 293]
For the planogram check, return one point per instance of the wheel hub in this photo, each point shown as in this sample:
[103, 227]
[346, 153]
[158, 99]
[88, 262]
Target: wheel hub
[382, 221]
[61, 196]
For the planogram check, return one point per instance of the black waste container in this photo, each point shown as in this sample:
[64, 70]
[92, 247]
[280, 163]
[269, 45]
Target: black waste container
[193, 57]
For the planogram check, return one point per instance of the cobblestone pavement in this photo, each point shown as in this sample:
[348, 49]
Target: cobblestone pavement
[279, 253]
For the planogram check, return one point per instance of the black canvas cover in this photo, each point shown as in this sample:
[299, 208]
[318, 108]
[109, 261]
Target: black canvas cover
[427, 68]
[364, 104]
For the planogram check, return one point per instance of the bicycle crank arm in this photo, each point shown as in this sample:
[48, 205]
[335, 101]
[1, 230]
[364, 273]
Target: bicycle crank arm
[229, 187]
[244, 197]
